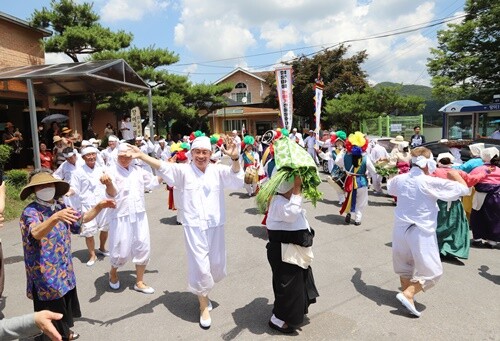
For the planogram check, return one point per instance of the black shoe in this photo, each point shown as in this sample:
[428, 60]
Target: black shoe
[348, 218]
[477, 243]
[357, 223]
[287, 330]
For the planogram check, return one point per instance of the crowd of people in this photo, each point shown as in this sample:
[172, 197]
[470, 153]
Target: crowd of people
[102, 192]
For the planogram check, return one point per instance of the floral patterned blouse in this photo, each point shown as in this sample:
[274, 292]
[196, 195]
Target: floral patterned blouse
[48, 262]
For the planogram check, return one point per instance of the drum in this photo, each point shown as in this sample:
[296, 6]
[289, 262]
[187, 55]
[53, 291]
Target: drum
[251, 175]
[339, 177]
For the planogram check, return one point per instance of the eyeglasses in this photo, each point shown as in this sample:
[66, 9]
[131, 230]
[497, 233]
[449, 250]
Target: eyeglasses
[203, 152]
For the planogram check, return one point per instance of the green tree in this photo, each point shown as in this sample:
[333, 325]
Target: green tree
[465, 65]
[340, 74]
[349, 110]
[173, 97]
[77, 30]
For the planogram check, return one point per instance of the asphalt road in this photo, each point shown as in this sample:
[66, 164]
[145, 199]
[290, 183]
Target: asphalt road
[352, 268]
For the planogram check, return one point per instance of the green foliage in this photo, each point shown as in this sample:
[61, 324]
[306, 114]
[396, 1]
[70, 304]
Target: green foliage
[350, 109]
[14, 206]
[341, 75]
[77, 30]
[5, 151]
[465, 65]
[17, 178]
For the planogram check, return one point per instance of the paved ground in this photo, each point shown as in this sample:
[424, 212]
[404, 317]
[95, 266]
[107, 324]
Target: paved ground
[352, 268]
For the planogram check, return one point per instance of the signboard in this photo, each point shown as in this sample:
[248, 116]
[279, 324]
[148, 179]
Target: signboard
[135, 118]
[396, 127]
[285, 96]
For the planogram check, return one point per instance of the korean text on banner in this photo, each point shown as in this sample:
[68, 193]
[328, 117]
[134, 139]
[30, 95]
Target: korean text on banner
[135, 118]
[318, 97]
[285, 96]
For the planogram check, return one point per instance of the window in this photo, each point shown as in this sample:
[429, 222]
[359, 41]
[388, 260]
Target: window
[230, 125]
[239, 97]
[241, 94]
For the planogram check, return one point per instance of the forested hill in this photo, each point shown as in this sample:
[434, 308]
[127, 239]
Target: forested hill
[432, 106]
[415, 90]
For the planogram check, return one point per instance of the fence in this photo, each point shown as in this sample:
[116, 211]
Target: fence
[392, 125]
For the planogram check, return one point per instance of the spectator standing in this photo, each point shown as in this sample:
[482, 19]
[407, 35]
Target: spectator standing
[14, 139]
[416, 139]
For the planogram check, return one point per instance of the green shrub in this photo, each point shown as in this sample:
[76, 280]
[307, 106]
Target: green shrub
[13, 205]
[5, 151]
[17, 178]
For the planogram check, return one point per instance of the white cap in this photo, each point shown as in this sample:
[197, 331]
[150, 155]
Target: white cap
[86, 143]
[113, 138]
[139, 138]
[88, 150]
[68, 155]
[476, 148]
[201, 142]
[445, 155]
[488, 153]
[123, 148]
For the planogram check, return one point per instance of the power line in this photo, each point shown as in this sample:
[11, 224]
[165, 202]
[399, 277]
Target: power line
[385, 34]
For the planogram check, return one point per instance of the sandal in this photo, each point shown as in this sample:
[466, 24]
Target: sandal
[73, 335]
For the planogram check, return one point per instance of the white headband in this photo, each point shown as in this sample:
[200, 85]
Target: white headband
[421, 161]
[201, 142]
[68, 155]
[88, 150]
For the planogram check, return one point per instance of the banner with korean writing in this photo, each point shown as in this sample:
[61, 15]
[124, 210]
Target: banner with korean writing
[135, 118]
[318, 97]
[285, 95]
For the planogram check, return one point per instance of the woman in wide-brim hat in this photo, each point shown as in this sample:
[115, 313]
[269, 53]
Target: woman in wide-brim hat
[46, 227]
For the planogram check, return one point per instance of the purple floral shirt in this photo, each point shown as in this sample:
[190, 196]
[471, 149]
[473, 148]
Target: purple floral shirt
[48, 262]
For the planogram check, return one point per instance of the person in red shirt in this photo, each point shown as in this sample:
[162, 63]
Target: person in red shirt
[46, 157]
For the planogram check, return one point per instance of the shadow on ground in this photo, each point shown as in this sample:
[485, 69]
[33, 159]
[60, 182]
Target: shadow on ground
[381, 296]
[334, 219]
[258, 232]
[483, 272]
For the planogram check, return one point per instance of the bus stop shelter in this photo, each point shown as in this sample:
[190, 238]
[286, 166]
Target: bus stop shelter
[102, 76]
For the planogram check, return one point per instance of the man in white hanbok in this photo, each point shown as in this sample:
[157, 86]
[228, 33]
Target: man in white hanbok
[310, 142]
[203, 185]
[89, 184]
[129, 227]
[415, 252]
[109, 154]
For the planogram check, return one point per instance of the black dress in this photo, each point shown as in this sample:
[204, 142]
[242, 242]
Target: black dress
[293, 286]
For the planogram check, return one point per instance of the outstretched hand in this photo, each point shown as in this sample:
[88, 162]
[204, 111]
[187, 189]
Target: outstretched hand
[43, 320]
[231, 149]
[107, 203]
[68, 215]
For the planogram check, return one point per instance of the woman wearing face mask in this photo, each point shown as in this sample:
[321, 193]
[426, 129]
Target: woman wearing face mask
[46, 227]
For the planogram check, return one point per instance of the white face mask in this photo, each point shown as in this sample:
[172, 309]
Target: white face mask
[46, 194]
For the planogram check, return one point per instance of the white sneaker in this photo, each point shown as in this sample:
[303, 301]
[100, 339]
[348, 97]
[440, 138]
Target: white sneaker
[146, 290]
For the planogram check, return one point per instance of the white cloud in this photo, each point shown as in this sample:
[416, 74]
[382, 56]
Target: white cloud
[190, 69]
[214, 30]
[115, 10]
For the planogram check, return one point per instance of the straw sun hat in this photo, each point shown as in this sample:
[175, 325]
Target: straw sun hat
[43, 179]
[398, 140]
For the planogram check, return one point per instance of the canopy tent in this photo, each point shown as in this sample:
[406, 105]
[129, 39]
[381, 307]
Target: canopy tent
[103, 76]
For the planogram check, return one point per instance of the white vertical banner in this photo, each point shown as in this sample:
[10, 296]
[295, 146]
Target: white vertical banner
[135, 119]
[318, 97]
[285, 95]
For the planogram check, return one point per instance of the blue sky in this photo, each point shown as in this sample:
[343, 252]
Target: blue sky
[212, 37]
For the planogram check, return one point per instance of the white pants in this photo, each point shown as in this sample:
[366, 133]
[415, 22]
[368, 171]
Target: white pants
[313, 154]
[99, 223]
[206, 253]
[129, 240]
[361, 202]
[377, 182]
[415, 255]
[251, 188]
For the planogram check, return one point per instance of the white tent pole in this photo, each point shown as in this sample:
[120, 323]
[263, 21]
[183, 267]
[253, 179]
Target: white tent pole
[34, 124]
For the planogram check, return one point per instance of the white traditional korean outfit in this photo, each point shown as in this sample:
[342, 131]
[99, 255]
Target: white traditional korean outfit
[203, 218]
[129, 227]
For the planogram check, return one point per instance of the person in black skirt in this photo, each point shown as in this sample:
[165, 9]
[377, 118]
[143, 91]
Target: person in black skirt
[293, 282]
[46, 227]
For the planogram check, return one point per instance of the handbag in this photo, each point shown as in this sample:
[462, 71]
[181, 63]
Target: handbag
[297, 255]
